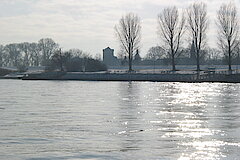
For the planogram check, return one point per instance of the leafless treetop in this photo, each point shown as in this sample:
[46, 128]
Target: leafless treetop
[198, 23]
[228, 26]
[171, 28]
[129, 32]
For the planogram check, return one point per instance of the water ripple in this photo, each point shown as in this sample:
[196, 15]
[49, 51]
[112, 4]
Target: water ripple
[119, 120]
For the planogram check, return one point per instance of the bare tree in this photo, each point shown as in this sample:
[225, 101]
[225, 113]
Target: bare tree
[34, 54]
[98, 57]
[213, 54]
[155, 53]
[25, 53]
[60, 58]
[47, 47]
[171, 28]
[237, 53]
[228, 28]
[13, 55]
[79, 53]
[2, 56]
[198, 24]
[128, 32]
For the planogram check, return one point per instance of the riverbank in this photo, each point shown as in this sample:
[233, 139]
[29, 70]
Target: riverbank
[138, 76]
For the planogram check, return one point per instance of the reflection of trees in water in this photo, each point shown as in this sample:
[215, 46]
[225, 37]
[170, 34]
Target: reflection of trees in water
[172, 117]
[214, 121]
[129, 119]
[227, 108]
[185, 121]
[222, 116]
[180, 118]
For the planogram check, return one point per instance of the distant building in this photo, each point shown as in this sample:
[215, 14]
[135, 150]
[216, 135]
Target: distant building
[108, 57]
[137, 59]
[110, 60]
[193, 55]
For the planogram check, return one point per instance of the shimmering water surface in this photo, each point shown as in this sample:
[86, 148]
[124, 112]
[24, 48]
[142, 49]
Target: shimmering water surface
[45, 120]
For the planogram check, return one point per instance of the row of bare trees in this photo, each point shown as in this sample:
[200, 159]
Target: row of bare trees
[172, 27]
[27, 54]
[46, 52]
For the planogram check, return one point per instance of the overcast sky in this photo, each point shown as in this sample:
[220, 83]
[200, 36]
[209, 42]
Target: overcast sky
[86, 24]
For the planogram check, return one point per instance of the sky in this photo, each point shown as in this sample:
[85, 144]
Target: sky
[88, 24]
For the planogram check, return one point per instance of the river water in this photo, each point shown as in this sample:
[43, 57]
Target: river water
[45, 120]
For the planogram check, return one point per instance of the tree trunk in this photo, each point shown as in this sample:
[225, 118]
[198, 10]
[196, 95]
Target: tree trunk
[173, 63]
[129, 59]
[130, 64]
[229, 58]
[229, 62]
[198, 62]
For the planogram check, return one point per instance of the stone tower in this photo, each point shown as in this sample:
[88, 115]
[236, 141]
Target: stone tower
[109, 58]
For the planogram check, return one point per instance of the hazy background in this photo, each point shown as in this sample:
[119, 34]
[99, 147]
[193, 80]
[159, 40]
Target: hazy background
[87, 24]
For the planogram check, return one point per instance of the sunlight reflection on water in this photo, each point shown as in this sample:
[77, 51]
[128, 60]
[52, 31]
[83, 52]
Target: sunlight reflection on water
[119, 120]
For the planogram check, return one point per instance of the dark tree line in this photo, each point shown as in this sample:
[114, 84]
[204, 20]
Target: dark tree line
[207, 56]
[75, 60]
